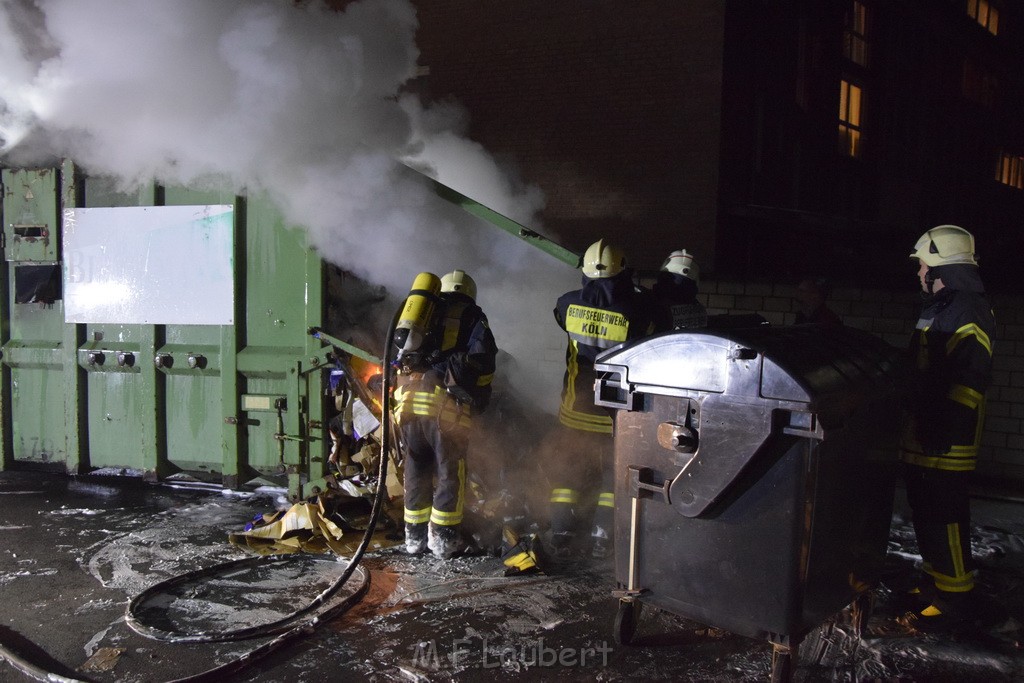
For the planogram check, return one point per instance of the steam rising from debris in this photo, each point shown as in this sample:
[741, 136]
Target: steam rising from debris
[293, 100]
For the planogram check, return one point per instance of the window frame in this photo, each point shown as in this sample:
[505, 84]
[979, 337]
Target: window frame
[855, 33]
[1010, 170]
[985, 13]
[850, 123]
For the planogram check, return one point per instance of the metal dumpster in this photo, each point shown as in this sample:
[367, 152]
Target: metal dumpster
[755, 472]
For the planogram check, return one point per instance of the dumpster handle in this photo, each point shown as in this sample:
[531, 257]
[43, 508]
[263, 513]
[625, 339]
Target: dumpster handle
[633, 521]
[640, 482]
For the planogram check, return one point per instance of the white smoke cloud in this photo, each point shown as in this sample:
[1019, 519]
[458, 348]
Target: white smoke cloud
[300, 102]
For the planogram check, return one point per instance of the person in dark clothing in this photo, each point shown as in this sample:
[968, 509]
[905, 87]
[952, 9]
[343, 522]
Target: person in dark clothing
[951, 353]
[608, 310]
[811, 295]
[433, 407]
[676, 289]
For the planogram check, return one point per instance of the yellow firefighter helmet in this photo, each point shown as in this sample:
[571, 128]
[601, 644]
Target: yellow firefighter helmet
[944, 245]
[681, 263]
[603, 260]
[459, 281]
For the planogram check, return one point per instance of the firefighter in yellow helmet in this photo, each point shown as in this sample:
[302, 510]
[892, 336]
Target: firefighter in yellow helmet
[447, 381]
[608, 310]
[951, 350]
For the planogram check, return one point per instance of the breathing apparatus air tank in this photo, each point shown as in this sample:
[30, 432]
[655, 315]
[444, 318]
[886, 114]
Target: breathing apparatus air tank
[415, 318]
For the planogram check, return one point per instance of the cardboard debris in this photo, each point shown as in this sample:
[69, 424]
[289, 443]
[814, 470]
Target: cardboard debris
[104, 659]
[302, 528]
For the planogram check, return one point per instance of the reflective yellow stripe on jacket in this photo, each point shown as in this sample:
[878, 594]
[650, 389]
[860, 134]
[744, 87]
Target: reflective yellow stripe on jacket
[436, 404]
[568, 415]
[960, 457]
[969, 330]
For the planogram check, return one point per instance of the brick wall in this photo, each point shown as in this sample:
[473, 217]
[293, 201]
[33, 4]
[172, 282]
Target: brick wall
[613, 109]
[891, 316]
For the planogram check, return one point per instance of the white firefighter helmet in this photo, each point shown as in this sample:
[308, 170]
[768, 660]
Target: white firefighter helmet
[681, 263]
[459, 281]
[944, 245]
[603, 260]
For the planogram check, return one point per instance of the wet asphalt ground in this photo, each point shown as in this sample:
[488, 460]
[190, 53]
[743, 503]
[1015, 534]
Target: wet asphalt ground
[75, 551]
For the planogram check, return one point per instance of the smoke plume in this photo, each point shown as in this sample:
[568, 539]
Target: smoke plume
[307, 105]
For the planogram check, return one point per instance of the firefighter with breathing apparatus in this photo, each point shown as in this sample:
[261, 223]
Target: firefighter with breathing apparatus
[446, 361]
[608, 310]
[951, 353]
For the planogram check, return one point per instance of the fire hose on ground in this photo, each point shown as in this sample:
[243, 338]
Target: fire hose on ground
[287, 628]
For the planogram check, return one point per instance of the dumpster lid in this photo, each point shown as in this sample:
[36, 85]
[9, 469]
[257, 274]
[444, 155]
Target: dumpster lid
[805, 363]
[750, 385]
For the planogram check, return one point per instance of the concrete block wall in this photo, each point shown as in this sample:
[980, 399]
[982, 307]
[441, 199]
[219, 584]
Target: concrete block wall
[891, 315]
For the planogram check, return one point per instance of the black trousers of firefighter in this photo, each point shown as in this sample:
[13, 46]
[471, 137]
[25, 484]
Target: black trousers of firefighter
[940, 504]
[583, 494]
[435, 475]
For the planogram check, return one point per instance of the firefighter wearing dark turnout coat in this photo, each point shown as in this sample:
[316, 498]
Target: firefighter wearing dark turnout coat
[951, 350]
[433, 407]
[608, 310]
[676, 289]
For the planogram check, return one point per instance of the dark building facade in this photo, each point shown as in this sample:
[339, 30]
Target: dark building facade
[772, 138]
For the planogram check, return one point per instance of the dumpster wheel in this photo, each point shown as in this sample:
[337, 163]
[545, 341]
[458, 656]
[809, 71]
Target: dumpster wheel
[783, 662]
[626, 619]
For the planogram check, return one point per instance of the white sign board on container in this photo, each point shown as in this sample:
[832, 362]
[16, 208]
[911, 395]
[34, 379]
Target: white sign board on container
[149, 265]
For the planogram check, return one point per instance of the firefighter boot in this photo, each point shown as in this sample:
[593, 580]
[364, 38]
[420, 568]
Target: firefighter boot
[602, 540]
[602, 547]
[947, 613]
[518, 553]
[445, 541]
[561, 547]
[415, 538]
[914, 596]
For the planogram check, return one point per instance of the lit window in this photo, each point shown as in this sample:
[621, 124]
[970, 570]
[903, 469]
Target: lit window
[855, 43]
[850, 107]
[983, 12]
[1010, 170]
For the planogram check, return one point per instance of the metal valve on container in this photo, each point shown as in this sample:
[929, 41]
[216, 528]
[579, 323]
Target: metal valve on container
[677, 437]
